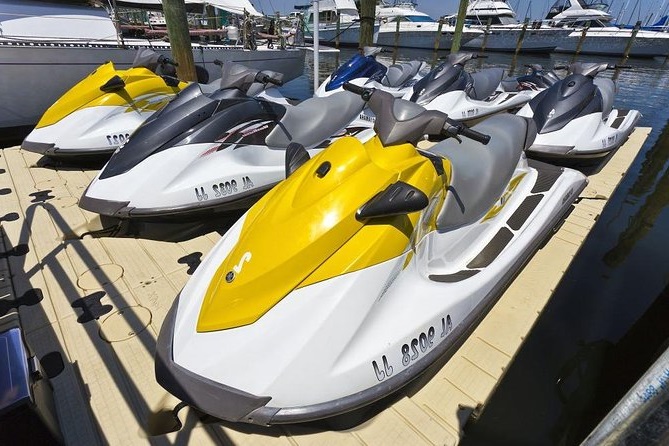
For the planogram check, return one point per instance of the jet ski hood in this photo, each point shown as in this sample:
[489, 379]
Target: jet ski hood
[446, 77]
[184, 120]
[574, 96]
[358, 66]
[309, 228]
[107, 86]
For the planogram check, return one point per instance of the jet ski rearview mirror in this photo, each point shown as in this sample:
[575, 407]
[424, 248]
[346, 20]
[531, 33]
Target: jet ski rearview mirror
[397, 199]
[113, 84]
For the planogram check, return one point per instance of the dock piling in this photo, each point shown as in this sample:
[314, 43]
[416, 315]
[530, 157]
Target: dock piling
[628, 47]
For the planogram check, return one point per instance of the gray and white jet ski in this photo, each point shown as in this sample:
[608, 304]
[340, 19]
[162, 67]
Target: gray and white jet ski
[213, 152]
[466, 97]
[575, 117]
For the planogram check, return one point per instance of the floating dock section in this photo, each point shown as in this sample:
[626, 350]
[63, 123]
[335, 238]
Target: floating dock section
[91, 309]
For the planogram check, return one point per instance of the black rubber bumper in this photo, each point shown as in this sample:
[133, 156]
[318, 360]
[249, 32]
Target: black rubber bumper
[50, 150]
[209, 396]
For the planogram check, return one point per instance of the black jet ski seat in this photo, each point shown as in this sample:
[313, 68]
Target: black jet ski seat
[481, 172]
[608, 90]
[315, 119]
[485, 82]
[398, 74]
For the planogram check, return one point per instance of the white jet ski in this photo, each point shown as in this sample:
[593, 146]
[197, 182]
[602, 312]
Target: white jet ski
[575, 117]
[466, 97]
[368, 264]
[213, 153]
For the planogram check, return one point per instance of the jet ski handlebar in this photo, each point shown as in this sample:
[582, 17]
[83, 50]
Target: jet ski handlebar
[451, 128]
[455, 129]
[266, 78]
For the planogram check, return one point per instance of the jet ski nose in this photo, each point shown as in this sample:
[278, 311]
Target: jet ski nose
[110, 208]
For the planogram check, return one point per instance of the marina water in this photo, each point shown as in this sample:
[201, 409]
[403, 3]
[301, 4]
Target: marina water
[608, 319]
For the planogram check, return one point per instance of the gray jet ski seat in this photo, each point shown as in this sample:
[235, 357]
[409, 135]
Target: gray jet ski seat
[315, 119]
[608, 90]
[481, 173]
[485, 82]
[398, 74]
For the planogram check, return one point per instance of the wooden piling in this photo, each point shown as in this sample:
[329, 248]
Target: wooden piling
[630, 42]
[459, 25]
[177, 31]
[437, 37]
[579, 45]
[486, 34]
[338, 31]
[397, 39]
[521, 37]
[367, 14]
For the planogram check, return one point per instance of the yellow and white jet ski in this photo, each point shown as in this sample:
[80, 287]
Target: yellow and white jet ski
[366, 265]
[97, 115]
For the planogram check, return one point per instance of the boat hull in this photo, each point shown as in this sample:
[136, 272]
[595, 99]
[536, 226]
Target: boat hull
[505, 38]
[35, 76]
[614, 43]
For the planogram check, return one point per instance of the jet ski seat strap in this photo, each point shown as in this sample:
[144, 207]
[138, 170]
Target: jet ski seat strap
[398, 74]
[315, 119]
[608, 90]
[485, 82]
[480, 173]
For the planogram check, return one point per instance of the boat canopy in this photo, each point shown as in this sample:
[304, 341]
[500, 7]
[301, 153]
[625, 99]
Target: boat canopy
[233, 6]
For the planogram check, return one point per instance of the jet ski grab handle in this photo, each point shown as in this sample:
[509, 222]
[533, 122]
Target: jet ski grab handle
[450, 128]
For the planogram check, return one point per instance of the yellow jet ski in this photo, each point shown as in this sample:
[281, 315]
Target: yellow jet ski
[97, 115]
[369, 263]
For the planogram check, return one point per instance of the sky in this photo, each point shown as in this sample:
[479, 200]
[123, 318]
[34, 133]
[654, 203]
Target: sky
[534, 9]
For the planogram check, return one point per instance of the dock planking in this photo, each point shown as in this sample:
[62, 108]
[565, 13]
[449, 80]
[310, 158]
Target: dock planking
[104, 300]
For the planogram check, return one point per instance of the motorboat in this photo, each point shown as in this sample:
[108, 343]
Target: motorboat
[338, 23]
[367, 265]
[593, 33]
[575, 117]
[402, 25]
[503, 31]
[43, 53]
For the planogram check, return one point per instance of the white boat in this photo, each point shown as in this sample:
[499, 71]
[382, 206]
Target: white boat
[338, 22]
[504, 30]
[47, 47]
[601, 37]
[416, 29]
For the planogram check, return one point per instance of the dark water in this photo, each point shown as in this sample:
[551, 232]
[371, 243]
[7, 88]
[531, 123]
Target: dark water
[608, 319]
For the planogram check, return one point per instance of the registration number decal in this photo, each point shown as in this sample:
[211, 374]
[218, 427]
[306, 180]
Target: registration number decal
[412, 350]
[224, 188]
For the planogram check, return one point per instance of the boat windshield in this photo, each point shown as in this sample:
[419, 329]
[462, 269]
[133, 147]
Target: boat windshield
[419, 18]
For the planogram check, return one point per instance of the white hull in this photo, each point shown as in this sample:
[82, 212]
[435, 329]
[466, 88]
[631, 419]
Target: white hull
[505, 38]
[614, 42]
[34, 77]
[349, 34]
[421, 35]
[357, 337]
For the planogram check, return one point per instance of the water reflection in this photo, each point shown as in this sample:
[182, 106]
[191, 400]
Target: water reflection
[653, 205]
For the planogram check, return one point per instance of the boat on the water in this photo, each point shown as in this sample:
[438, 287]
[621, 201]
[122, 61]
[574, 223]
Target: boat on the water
[503, 31]
[46, 47]
[416, 29]
[593, 32]
[338, 23]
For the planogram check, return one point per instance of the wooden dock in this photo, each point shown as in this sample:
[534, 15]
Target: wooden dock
[99, 302]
